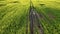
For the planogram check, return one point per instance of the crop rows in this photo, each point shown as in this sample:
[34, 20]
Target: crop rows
[15, 18]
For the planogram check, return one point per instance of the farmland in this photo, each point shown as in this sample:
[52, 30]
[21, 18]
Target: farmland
[19, 17]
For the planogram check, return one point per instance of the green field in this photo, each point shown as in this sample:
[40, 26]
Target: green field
[14, 16]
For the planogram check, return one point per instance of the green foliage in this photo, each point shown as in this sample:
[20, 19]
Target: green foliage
[14, 17]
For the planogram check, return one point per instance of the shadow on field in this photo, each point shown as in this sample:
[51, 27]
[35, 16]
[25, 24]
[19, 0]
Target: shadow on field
[15, 2]
[3, 4]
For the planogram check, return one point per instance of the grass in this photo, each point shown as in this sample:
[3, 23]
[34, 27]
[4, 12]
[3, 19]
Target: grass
[14, 16]
[51, 11]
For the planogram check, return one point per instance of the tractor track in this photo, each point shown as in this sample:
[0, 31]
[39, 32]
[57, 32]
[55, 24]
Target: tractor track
[34, 20]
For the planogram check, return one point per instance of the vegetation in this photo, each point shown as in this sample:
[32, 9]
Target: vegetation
[14, 16]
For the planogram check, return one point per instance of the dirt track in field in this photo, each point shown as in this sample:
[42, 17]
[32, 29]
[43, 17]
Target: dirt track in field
[34, 20]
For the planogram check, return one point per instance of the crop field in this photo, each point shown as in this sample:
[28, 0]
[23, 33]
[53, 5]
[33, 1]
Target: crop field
[29, 16]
